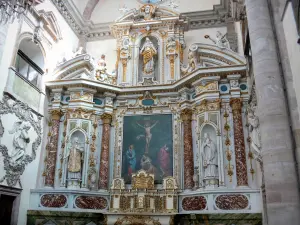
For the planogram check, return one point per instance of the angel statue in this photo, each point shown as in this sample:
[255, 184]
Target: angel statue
[221, 41]
[148, 52]
[20, 140]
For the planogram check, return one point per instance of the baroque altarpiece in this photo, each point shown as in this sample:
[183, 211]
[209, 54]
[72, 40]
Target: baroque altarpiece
[158, 140]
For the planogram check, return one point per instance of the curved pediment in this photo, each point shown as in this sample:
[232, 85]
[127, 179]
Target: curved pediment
[147, 12]
[214, 56]
[80, 66]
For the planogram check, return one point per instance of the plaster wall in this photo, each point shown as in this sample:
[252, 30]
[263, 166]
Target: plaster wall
[291, 36]
[66, 45]
[52, 50]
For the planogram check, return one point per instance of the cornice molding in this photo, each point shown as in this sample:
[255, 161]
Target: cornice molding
[216, 17]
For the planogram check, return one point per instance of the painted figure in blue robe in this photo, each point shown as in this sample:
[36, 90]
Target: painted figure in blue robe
[131, 160]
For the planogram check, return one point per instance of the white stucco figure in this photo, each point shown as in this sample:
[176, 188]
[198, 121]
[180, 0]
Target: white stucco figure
[210, 157]
[253, 122]
[221, 41]
[20, 140]
[148, 52]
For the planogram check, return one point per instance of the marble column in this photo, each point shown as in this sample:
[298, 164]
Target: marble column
[281, 183]
[239, 143]
[186, 117]
[51, 148]
[104, 164]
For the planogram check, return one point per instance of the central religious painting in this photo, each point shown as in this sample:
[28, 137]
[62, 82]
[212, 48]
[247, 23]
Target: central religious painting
[148, 145]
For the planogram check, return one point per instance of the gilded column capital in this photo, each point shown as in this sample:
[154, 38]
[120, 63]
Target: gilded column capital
[186, 114]
[236, 104]
[106, 118]
[56, 114]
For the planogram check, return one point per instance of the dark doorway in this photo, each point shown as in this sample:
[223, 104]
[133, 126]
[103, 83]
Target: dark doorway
[6, 203]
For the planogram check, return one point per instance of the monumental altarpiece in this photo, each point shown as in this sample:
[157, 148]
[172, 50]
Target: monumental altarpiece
[165, 139]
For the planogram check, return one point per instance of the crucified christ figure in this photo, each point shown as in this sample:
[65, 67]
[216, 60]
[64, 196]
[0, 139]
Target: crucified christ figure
[148, 134]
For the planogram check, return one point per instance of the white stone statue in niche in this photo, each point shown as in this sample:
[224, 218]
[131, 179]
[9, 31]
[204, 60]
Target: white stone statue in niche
[221, 41]
[210, 157]
[20, 140]
[74, 157]
[148, 52]
[253, 122]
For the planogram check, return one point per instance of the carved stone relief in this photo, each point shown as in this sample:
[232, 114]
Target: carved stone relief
[15, 162]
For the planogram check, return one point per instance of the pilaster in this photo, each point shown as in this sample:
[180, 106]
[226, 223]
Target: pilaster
[282, 191]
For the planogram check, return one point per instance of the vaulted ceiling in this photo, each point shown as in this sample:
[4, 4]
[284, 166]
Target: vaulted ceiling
[91, 18]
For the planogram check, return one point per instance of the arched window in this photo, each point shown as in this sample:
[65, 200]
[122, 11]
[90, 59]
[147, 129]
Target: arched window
[30, 62]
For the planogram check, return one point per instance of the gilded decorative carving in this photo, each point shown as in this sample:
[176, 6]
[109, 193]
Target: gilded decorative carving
[92, 183]
[142, 180]
[206, 106]
[229, 167]
[186, 116]
[51, 148]
[90, 202]
[124, 64]
[80, 113]
[207, 86]
[172, 65]
[81, 96]
[195, 203]
[232, 202]
[63, 146]
[239, 143]
[53, 201]
[104, 165]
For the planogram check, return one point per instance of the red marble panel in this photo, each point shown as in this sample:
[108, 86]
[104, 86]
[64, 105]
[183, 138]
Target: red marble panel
[239, 143]
[89, 202]
[195, 203]
[232, 202]
[188, 150]
[53, 201]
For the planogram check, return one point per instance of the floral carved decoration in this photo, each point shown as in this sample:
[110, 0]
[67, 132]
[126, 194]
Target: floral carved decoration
[53, 201]
[15, 167]
[232, 202]
[89, 202]
[194, 203]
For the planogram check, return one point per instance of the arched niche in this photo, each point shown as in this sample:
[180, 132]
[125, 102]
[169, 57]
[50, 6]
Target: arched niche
[82, 137]
[157, 42]
[30, 60]
[209, 129]
[79, 134]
